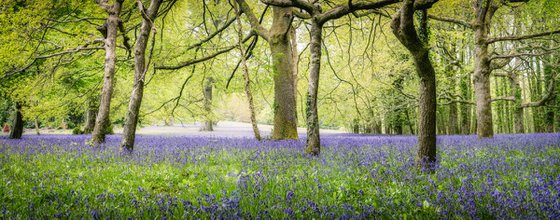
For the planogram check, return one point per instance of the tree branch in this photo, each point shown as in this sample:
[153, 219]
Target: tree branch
[255, 25]
[546, 98]
[451, 20]
[305, 5]
[506, 98]
[345, 9]
[521, 37]
[212, 35]
[69, 51]
[202, 59]
[509, 56]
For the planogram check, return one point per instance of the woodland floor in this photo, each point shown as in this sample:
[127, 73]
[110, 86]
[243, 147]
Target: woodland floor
[233, 177]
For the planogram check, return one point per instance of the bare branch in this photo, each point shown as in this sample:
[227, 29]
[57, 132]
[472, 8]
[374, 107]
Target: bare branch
[212, 35]
[343, 10]
[521, 37]
[506, 98]
[305, 5]
[509, 56]
[451, 20]
[546, 98]
[202, 59]
[69, 51]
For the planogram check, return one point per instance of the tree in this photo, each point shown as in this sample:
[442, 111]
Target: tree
[314, 12]
[278, 38]
[207, 125]
[17, 124]
[92, 107]
[140, 70]
[405, 31]
[109, 30]
[247, 80]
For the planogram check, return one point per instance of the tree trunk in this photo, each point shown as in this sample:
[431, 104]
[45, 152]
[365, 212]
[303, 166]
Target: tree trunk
[207, 125]
[278, 38]
[482, 86]
[295, 66]
[452, 119]
[518, 109]
[484, 11]
[441, 124]
[427, 108]
[37, 126]
[246, 78]
[103, 119]
[549, 111]
[409, 122]
[140, 69]
[557, 103]
[466, 107]
[536, 92]
[499, 107]
[313, 146]
[403, 27]
[17, 125]
[285, 120]
[91, 114]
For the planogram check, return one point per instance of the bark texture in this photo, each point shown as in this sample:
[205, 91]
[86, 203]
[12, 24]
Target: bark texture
[17, 125]
[484, 12]
[404, 29]
[207, 125]
[103, 119]
[295, 67]
[285, 120]
[91, 115]
[313, 146]
[466, 107]
[452, 124]
[519, 126]
[140, 69]
[278, 38]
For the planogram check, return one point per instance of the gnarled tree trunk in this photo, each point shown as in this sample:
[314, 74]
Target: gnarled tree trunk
[404, 29]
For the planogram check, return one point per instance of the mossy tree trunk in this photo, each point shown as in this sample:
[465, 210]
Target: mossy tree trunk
[285, 120]
[278, 38]
[484, 12]
[404, 29]
[17, 124]
[91, 115]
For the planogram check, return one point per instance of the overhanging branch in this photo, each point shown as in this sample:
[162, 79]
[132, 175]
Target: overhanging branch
[202, 59]
[521, 37]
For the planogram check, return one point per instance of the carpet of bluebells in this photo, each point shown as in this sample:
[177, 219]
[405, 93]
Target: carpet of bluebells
[357, 177]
